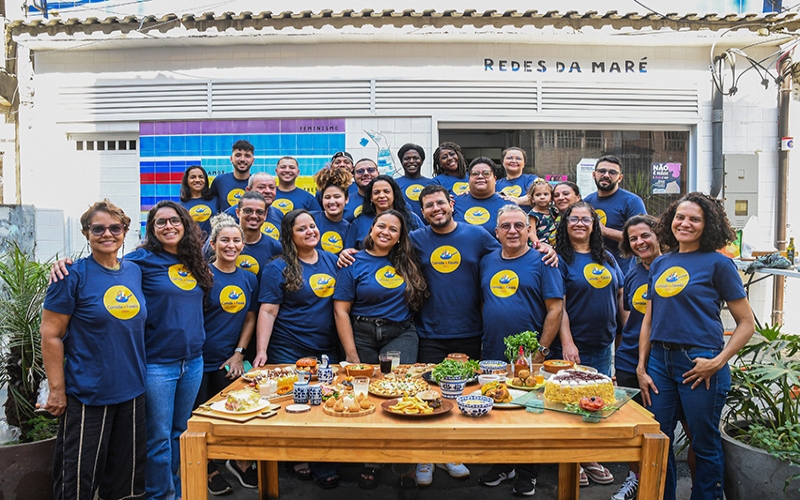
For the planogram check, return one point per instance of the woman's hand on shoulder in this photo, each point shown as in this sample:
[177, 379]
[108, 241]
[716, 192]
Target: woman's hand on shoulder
[346, 258]
[58, 271]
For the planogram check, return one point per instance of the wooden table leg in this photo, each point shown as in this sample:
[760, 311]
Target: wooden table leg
[268, 480]
[653, 466]
[194, 465]
[568, 481]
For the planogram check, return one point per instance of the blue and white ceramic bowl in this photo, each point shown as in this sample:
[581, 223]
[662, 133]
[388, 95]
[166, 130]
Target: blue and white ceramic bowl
[474, 406]
[452, 387]
[493, 367]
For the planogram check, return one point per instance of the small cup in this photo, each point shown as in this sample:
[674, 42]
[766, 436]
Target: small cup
[395, 355]
[361, 385]
[303, 377]
[301, 393]
[386, 363]
[325, 375]
[268, 388]
[315, 394]
[484, 379]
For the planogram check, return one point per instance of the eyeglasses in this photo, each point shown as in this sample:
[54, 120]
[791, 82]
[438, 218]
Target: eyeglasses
[481, 173]
[586, 221]
[100, 230]
[174, 222]
[604, 171]
[250, 211]
[506, 226]
[362, 171]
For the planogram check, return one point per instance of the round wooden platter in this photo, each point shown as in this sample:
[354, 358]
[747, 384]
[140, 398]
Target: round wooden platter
[346, 413]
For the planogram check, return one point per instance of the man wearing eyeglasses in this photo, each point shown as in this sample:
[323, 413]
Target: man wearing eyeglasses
[613, 204]
[258, 249]
[480, 204]
[365, 170]
[514, 278]
[264, 184]
[230, 186]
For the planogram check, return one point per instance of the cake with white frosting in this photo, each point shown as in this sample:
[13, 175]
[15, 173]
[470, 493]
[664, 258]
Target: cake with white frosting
[569, 386]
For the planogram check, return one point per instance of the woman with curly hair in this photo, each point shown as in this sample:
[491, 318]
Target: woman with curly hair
[333, 187]
[683, 358]
[450, 168]
[196, 197]
[175, 281]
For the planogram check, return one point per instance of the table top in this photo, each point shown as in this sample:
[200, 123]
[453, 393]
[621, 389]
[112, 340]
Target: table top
[790, 273]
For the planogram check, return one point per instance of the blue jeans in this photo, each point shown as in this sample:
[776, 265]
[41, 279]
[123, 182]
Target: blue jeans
[372, 339]
[169, 396]
[702, 408]
[599, 358]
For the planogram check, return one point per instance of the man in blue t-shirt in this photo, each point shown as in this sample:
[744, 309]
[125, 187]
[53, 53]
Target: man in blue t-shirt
[365, 170]
[411, 183]
[613, 205]
[258, 249]
[230, 186]
[264, 184]
[289, 197]
[480, 204]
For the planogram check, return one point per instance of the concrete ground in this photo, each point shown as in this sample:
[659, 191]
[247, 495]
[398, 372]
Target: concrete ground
[443, 487]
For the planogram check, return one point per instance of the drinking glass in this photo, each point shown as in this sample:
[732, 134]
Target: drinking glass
[386, 363]
[361, 386]
[395, 355]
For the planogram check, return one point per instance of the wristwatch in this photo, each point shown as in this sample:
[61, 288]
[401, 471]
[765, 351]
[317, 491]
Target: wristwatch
[240, 350]
[544, 350]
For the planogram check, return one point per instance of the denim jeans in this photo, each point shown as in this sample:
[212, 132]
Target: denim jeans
[702, 408]
[372, 339]
[170, 394]
[599, 358]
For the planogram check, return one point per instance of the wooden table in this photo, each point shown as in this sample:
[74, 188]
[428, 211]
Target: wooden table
[502, 436]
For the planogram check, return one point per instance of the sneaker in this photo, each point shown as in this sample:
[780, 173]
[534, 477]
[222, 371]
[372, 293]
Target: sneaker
[424, 474]
[217, 485]
[248, 478]
[458, 471]
[525, 486]
[496, 475]
[628, 489]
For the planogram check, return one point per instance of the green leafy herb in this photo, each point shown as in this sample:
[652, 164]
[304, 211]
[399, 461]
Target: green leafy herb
[527, 339]
[454, 368]
[574, 408]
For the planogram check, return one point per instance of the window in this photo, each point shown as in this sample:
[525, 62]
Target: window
[110, 145]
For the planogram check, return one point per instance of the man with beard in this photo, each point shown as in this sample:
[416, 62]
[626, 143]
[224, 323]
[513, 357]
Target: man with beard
[613, 204]
[365, 170]
[290, 197]
[229, 187]
[264, 184]
[411, 183]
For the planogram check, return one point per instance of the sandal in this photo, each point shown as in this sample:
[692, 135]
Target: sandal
[598, 473]
[369, 477]
[329, 482]
[302, 472]
[584, 481]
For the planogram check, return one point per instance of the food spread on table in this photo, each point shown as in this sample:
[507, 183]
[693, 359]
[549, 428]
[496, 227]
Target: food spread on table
[391, 388]
[569, 386]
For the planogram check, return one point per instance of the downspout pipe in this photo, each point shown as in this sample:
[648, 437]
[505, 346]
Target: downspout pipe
[784, 98]
[717, 166]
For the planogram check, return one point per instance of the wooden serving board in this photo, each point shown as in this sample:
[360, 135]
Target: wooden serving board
[361, 413]
[264, 413]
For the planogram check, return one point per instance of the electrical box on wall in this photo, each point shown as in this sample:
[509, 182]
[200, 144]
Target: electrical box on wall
[741, 188]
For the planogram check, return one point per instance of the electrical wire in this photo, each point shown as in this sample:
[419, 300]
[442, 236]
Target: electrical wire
[648, 8]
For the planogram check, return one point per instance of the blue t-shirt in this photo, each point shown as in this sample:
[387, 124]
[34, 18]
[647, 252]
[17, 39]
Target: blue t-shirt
[479, 212]
[228, 189]
[451, 265]
[412, 187]
[374, 287]
[354, 205]
[614, 211]
[104, 347]
[331, 234]
[454, 184]
[286, 201]
[359, 229]
[232, 297]
[634, 291]
[174, 329]
[255, 256]
[591, 300]
[271, 226]
[514, 294]
[517, 187]
[687, 290]
[305, 318]
[201, 211]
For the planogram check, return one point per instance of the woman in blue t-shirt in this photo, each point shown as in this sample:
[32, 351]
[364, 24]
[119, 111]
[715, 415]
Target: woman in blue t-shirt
[332, 186]
[196, 197]
[683, 358]
[93, 349]
[450, 168]
[592, 302]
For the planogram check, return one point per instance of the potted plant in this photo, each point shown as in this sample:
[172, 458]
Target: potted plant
[761, 423]
[23, 285]
[452, 376]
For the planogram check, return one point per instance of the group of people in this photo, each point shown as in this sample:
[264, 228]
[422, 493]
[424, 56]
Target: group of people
[370, 264]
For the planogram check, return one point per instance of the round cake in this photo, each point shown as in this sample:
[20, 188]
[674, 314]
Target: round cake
[569, 386]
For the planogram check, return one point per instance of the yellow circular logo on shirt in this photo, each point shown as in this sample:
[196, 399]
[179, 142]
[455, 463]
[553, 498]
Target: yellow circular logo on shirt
[672, 281]
[332, 242]
[515, 191]
[248, 263]
[357, 211]
[460, 188]
[445, 259]
[232, 299]
[598, 276]
[637, 301]
[477, 216]
[601, 214]
[504, 284]
[322, 284]
[387, 277]
[200, 213]
[413, 191]
[284, 205]
[181, 277]
[270, 230]
[121, 302]
[234, 195]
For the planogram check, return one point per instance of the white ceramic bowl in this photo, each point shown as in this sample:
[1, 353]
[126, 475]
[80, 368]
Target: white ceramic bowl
[485, 379]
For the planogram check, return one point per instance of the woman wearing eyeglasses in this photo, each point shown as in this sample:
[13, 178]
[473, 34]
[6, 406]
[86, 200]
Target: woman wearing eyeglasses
[93, 347]
[175, 280]
[592, 302]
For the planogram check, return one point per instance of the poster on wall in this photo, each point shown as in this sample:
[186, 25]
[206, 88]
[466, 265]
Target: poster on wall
[585, 180]
[665, 178]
